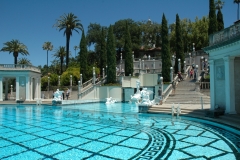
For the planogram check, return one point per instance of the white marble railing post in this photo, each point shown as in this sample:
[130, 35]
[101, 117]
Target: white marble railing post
[196, 73]
[48, 86]
[70, 94]
[81, 79]
[184, 66]
[171, 74]
[79, 89]
[94, 76]
[59, 81]
[179, 65]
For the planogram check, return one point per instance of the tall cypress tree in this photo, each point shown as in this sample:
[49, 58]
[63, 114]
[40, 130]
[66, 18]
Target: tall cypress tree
[220, 23]
[166, 57]
[179, 45]
[83, 57]
[128, 52]
[212, 27]
[103, 52]
[111, 57]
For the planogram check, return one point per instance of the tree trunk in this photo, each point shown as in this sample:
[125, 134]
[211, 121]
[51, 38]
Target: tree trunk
[47, 61]
[15, 54]
[61, 64]
[67, 48]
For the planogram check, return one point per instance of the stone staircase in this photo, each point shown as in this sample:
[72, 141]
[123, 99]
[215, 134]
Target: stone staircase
[191, 102]
[185, 93]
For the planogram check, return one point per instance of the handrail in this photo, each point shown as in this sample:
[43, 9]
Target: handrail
[88, 90]
[87, 83]
[18, 67]
[82, 94]
[167, 91]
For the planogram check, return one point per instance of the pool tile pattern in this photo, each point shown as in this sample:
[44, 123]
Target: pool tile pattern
[33, 132]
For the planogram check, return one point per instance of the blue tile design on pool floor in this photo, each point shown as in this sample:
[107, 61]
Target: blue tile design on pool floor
[36, 143]
[134, 143]
[112, 139]
[68, 132]
[75, 141]
[4, 143]
[52, 149]
[93, 135]
[73, 154]
[120, 152]
[26, 155]
[10, 150]
[95, 146]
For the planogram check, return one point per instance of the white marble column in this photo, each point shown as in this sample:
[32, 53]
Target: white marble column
[229, 85]
[28, 81]
[1, 89]
[212, 83]
[17, 88]
[37, 89]
[6, 88]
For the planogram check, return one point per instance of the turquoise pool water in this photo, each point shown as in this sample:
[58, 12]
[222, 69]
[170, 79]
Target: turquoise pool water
[98, 131]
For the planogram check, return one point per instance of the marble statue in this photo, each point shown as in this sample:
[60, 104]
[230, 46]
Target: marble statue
[173, 110]
[110, 100]
[57, 97]
[178, 110]
[142, 97]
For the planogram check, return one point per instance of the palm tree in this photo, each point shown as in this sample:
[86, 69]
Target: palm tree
[237, 1]
[47, 46]
[69, 22]
[24, 61]
[15, 47]
[75, 48]
[219, 4]
[60, 53]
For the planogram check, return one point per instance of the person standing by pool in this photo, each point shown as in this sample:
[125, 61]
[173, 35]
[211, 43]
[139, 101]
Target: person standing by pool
[67, 93]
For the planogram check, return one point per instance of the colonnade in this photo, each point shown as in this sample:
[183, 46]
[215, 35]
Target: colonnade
[28, 88]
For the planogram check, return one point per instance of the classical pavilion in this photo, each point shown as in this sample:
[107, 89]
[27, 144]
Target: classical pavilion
[28, 82]
[224, 59]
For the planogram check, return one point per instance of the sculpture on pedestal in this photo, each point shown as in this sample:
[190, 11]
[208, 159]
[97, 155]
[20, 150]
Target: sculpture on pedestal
[142, 97]
[57, 97]
[110, 100]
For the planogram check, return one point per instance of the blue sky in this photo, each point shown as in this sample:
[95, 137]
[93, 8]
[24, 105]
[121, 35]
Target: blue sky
[31, 21]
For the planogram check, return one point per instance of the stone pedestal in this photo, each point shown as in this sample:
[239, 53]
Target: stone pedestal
[143, 108]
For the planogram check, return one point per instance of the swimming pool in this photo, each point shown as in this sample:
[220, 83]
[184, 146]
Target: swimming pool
[117, 131]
